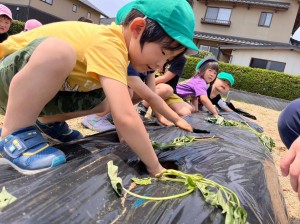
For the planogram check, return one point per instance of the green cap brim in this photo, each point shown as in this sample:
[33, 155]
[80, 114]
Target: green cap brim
[185, 41]
[123, 12]
[226, 76]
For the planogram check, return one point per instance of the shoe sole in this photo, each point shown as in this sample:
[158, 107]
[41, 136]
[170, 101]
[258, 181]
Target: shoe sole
[4, 161]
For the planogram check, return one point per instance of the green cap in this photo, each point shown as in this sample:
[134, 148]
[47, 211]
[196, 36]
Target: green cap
[176, 17]
[206, 59]
[226, 76]
[123, 12]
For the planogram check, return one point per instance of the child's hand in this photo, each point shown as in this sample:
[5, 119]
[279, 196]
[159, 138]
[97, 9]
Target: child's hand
[290, 165]
[155, 170]
[216, 115]
[164, 121]
[181, 123]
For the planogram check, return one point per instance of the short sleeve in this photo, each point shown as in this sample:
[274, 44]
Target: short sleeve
[177, 66]
[222, 104]
[131, 71]
[108, 58]
[200, 87]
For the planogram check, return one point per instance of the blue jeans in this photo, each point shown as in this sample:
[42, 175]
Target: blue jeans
[289, 123]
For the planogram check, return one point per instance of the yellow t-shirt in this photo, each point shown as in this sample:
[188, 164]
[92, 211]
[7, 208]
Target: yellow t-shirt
[101, 50]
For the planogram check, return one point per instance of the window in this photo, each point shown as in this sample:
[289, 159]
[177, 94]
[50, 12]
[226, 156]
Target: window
[265, 64]
[50, 2]
[265, 19]
[213, 50]
[204, 48]
[89, 15]
[217, 15]
[74, 8]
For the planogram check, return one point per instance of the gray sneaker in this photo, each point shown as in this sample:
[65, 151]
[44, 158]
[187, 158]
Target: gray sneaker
[98, 123]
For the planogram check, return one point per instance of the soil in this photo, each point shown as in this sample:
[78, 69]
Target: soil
[266, 118]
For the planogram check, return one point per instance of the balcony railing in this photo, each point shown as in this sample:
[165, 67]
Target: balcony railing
[216, 21]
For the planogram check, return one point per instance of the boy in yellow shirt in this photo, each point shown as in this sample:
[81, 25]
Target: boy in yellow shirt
[52, 75]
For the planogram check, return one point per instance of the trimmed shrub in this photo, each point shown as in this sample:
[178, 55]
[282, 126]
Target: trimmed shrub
[16, 27]
[190, 67]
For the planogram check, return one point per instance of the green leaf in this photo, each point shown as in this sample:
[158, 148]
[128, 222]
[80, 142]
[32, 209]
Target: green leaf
[144, 181]
[240, 214]
[229, 219]
[189, 183]
[203, 188]
[6, 198]
[222, 201]
[267, 141]
[223, 198]
[220, 120]
[116, 181]
[213, 193]
[156, 145]
[163, 146]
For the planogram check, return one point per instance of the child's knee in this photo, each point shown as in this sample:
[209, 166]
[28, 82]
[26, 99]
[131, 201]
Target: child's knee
[63, 55]
[184, 112]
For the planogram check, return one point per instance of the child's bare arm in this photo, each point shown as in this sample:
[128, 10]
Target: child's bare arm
[195, 104]
[157, 103]
[150, 82]
[165, 77]
[162, 119]
[128, 123]
[207, 103]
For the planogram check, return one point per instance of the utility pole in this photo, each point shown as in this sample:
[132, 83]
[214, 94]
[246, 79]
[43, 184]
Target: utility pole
[28, 10]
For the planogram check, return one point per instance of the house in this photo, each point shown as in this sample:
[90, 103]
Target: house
[107, 21]
[48, 11]
[255, 33]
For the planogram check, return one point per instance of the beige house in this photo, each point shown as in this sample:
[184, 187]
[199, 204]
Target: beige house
[255, 33]
[48, 11]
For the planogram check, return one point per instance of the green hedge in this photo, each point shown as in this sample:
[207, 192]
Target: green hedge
[255, 80]
[16, 27]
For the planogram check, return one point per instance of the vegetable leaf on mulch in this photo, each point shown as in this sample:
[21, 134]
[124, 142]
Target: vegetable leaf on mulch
[215, 194]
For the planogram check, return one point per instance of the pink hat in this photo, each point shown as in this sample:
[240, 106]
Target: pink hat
[5, 11]
[32, 24]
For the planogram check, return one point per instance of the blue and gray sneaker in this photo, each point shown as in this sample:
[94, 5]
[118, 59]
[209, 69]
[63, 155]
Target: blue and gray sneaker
[59, 131]
[28, 152]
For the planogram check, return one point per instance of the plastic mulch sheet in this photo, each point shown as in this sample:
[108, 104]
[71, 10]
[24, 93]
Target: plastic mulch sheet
[80, 190]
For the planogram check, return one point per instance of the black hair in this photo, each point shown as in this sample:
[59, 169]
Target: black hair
[153, 32]
[191, 2]
[208, 65]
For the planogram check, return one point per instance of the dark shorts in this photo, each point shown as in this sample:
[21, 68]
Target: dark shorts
[289, 123]
[63, 102]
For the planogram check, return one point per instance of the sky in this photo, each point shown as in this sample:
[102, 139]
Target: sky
[296, 35]
[109, 7]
